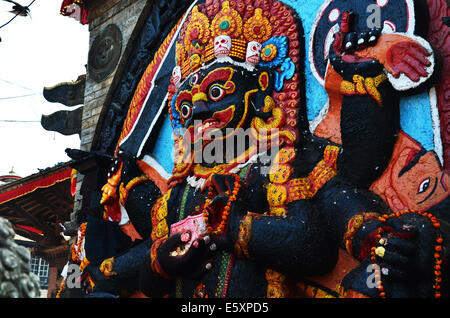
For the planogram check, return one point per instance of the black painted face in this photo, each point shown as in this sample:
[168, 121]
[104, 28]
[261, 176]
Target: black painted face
[213, 102]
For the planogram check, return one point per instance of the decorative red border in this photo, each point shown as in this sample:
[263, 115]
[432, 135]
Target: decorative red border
[34, 185]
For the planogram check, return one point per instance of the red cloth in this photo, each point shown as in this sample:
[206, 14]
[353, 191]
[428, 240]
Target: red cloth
[44, 182]
[73, 182]
[76, 10]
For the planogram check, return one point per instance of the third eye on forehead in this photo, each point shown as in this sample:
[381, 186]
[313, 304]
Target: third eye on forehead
[194, 79]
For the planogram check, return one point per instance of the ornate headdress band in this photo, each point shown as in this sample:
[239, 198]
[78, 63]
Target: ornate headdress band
[227, 35]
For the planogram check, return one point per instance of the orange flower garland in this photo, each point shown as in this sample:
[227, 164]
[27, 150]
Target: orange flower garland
[76, 247]
[61, 287]
[437, 253]
[227, 208]
[376, 268]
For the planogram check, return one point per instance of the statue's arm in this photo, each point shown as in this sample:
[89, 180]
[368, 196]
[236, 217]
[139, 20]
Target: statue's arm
[297, 244]
[131, 193]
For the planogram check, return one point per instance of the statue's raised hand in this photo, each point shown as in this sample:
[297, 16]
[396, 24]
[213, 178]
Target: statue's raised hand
[409, 241]
[409, 58]
[123, 169]
[401, 262]
[347, 41]
[393, 254]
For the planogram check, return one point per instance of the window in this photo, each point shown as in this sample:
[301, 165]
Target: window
[40, 267]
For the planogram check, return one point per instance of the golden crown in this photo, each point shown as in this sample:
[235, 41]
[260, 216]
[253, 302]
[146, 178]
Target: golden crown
[228, 34]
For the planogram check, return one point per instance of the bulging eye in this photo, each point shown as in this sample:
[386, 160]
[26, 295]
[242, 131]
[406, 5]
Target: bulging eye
[186, 110]
[423, 186]
[194, 80]
[216, 93]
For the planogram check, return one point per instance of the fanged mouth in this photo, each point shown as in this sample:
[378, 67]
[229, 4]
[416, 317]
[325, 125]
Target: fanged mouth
[218, 121]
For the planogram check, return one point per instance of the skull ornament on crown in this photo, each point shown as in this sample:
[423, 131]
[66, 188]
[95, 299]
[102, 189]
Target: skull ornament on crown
[176, 75]
[253, 52]
[222, 46]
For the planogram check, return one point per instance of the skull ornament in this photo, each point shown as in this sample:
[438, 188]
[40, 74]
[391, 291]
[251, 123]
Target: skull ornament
[253, 52]
[176, 75]
[222, 46]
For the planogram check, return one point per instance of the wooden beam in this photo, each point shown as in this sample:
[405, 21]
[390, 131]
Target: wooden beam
[29, 235]
[63, 213]
[64, 196]
[48, 231]
[24, 213]
[17, 220]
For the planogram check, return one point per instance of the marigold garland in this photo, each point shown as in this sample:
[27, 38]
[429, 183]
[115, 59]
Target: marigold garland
[61, 287]
[76, 247]
[85, 262]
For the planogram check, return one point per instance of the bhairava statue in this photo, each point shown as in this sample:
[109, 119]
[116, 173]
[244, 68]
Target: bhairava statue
[257, 204]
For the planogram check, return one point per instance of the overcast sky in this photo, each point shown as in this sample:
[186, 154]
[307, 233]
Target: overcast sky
[36, 52]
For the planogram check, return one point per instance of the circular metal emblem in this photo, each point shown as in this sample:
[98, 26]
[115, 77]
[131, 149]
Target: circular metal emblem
[105, 53]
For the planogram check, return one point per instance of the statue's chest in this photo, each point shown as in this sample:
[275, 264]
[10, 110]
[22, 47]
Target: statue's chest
[190, 201]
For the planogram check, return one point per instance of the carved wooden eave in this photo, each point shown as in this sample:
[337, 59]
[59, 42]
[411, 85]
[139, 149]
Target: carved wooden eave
[54, 255]
[36, 205]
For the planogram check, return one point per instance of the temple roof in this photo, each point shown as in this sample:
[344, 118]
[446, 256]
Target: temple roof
[37, 204]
